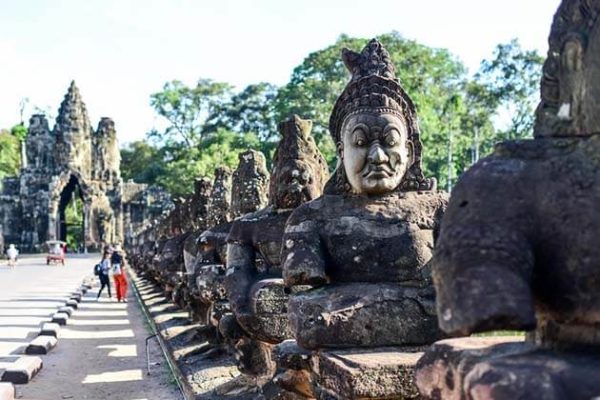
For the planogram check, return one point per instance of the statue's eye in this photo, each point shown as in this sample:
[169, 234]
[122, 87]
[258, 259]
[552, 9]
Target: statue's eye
[359, 138]
[392, 138]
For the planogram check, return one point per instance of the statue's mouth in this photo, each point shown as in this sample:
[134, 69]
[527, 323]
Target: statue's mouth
[377, 172]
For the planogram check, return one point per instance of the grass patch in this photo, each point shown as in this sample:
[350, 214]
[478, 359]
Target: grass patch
[500, 333]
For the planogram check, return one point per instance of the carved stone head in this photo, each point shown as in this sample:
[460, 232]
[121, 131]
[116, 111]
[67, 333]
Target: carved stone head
[375, 128]
[250, 183]
[570, 81]
[299, 169]
[198, 205]
[219, 209]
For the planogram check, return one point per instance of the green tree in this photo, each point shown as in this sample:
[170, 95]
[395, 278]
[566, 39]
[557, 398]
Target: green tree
[142, 162]
[19, 131]
[249, 111]
[183, 164]
[511, 79]
[10, 158]
[209, 124]
[187, 108]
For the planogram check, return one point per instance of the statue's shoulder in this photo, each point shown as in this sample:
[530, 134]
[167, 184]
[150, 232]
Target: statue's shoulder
[430, 198]
[216, 232]
[242, 228]
[313, 210]
[505, 169]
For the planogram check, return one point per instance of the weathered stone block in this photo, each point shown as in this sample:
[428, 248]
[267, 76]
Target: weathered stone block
[7, 391]
[41, 345]
[485, 368]
[60, 318]
[66, 310]
[50, 329]
[76, 297]
[22, 370]
[72, 303]
[377, 373]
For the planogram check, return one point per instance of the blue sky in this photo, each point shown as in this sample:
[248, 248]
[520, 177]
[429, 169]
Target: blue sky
[119, 51]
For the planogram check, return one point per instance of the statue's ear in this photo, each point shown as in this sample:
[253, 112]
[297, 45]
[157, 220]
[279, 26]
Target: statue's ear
[411, 150]
[339, 146]
[572, 55]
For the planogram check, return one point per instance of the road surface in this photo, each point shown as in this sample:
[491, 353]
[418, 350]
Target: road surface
[101, 351]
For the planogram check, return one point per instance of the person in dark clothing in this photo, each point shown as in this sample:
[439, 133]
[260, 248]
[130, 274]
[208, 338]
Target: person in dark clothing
[103, 275]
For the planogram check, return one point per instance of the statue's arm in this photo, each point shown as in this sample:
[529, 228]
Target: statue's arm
[240, 275]
[302, 253]
[483, 260]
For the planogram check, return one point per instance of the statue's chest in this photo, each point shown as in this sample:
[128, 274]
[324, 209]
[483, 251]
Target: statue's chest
[375, 249]
[267, 238]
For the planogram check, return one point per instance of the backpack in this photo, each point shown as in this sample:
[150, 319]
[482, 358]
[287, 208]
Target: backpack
[97, 269]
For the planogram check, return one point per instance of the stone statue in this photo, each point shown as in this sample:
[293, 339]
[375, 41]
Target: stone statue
[217, 214]
[254, 285]
[199, 211]
[249, 182]
[518, 248]
[365, 245]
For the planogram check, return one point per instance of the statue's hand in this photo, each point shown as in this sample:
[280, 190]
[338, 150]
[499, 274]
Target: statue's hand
[300, 276]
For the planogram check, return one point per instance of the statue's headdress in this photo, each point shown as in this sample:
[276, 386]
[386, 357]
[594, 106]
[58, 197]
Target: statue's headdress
[250, 183]
[219, 208]
[375, 88]
[296, 147]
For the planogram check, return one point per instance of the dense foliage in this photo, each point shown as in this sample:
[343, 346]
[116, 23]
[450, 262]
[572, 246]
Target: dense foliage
[10, 158]
[461, 116]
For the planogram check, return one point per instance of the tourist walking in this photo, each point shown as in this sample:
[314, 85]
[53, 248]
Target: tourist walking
[103, 272]
[118, 263]
[12, 254]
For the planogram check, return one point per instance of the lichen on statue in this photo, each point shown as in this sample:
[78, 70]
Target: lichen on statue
[254, 285]
[365, 245]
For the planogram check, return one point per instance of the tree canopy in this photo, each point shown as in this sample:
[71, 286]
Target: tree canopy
[461, 116]
[10, 154]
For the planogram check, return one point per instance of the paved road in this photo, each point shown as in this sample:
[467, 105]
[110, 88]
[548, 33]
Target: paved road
[100, 353]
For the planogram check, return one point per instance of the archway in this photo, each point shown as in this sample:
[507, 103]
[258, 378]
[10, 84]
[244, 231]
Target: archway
[71, 216]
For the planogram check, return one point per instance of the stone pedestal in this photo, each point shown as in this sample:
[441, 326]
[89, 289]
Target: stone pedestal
[377, 373]
[374, 373]
[506, 368]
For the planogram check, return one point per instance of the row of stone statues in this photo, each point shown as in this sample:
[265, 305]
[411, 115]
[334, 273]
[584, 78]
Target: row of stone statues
[326, 287]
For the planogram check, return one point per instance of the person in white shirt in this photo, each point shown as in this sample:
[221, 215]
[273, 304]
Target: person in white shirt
[12, 254]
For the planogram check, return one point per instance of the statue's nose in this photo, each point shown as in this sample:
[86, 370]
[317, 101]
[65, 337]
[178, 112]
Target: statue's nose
[377, 155]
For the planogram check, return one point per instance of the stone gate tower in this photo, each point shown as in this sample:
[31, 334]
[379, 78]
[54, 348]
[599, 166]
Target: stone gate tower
[73, 159]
